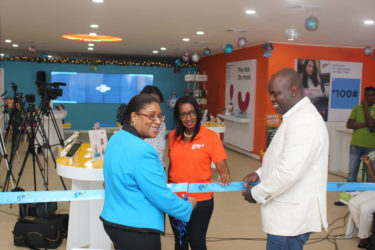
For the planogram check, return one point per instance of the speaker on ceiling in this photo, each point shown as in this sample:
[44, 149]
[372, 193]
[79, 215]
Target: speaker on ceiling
[41, 77]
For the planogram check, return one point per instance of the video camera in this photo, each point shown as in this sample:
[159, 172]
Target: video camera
[50, 91]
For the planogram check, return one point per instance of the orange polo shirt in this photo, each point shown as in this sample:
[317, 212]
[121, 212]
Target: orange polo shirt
[191, 162]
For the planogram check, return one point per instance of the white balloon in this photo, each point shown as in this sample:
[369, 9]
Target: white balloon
[195, 57]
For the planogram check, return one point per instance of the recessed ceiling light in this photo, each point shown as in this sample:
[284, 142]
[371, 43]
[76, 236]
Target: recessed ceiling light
[91, 45]
[185, 39]
[98, 1]
[2, 54]
[8, 40]
[155, 51]
[368, 22]
[90, 48]
[250, 12]
[92, 34]
[49, 56]
[163, 48]
[94, 26]
[201, 33]
[15, 45]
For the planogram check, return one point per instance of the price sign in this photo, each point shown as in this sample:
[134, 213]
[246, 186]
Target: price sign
[345, 93]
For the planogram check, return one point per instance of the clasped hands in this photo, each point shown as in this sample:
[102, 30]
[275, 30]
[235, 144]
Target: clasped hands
[253, 177]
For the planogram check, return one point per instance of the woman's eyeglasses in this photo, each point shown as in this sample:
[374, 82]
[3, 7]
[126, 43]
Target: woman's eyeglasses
[185, 115]
[152, 117]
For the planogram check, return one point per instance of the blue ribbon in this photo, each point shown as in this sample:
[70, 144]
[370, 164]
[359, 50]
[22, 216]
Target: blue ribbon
[76, 195]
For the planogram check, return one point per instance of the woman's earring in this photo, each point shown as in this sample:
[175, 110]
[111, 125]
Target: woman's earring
[134, 123]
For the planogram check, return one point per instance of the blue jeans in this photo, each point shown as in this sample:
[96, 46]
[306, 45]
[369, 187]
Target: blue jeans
[356, 153]
[275, 242]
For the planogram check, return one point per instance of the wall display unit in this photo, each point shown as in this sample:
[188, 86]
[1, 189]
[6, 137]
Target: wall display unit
[196, 87]
[240, 104]
[99, 88]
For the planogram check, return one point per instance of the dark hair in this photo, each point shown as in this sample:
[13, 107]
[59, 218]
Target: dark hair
[149, 89]
[313, 77]
[369, 89]
[176, 116]
[137, 103]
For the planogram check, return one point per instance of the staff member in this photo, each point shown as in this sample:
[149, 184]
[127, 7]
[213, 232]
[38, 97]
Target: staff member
[192, 148]
[136, 194]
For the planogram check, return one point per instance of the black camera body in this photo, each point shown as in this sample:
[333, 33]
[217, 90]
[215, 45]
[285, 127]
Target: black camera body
[50, 91]
[30, 98]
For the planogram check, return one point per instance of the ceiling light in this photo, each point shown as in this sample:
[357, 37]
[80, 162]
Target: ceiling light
[155, 51]
[185, 39]
[49, 56]
[201, 33]
[92, 34]
[90, 48]
[292, 34]
[368, 22]
[91, 45]
[94, 26]
[8, 40]
[2, 54]
[163, 48]
[89, 38]
[97, 1]
[250, 12]
[15, 45]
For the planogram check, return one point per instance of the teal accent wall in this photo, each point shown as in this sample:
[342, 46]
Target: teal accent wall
[83, 115]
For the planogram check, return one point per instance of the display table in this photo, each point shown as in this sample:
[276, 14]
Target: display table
[85, 227]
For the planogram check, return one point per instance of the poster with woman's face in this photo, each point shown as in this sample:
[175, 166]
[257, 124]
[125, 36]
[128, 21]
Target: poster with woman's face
[315, 76]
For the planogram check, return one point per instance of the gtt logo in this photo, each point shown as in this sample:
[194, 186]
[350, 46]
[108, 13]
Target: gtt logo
[103, 88]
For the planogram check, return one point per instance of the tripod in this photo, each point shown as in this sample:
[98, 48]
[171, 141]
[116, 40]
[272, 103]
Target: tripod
[34, 119]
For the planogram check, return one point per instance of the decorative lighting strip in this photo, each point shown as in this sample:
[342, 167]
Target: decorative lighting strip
[89, 38]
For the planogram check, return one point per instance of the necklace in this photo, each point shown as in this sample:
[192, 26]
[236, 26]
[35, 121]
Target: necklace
[188, 136]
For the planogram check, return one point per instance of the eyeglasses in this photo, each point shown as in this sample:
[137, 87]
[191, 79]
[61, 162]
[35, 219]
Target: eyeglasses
[185, 115]
[152, 117]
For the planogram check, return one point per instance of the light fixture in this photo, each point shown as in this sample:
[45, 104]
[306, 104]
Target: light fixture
[90, 45]
[97, 1]
[292, 34]
[8, 40]
[368, 22]
[2, 54]
[94, 26]
[163, 48]
[250, 12]
[15, 45]
[200, 33]
[155, 51]
[89, 38]
[185, 39]
[92, 34]
[90, 48]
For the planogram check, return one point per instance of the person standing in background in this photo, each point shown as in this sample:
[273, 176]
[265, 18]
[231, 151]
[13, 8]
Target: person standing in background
[362, 121]
[293, 175]
[159, 141]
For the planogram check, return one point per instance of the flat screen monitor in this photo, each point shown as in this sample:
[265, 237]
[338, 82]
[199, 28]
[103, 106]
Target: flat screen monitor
[99, 88]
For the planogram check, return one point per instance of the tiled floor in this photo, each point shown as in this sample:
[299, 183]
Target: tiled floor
[235, 224]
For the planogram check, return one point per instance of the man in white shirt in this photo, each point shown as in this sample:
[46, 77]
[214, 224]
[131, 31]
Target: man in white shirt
[293, 176]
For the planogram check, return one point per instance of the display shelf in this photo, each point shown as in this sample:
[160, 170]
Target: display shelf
[234, 118]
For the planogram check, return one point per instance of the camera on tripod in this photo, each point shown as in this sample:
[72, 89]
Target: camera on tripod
[30, 98]
[50, 91]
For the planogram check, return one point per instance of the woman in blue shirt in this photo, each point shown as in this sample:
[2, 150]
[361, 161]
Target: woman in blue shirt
[136, 194]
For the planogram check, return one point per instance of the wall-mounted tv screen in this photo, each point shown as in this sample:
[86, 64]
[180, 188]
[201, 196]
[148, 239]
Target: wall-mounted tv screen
[99, 88]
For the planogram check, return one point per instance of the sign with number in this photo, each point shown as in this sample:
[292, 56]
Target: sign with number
[345, 93]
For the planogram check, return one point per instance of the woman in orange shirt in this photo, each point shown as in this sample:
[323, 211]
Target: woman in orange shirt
[192, 148]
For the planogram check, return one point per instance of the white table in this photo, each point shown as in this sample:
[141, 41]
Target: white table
[85, 227]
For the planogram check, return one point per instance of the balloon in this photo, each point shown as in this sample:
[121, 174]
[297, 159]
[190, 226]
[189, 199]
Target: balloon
[43, 55]
[228, 48]
[311, 23]
[292, 34]
[195, 57]
[241, 42]
[178, 62]
[268, 47]
[367, 51]
[185, 58]
[207, 51]
[32, 49]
